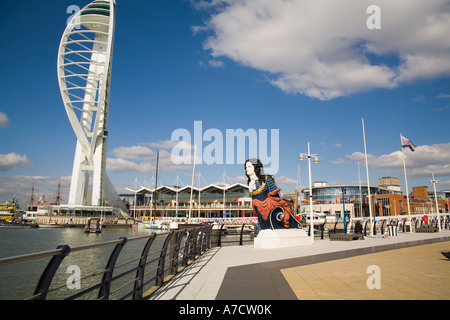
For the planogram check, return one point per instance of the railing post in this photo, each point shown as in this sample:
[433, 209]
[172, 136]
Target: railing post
[322, 228]
[202, 243]
[187, 248]
[47, 276]
[383, 225]
[208, 236]
[365, 227]
[180, 234]
[162, 260]
[242, 233]
[219, 242]
[194, 243]
[200, 235]
[139, 283]
[198, 242]
[103, 293]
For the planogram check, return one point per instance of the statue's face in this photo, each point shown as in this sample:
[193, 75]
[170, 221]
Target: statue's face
[249, 168]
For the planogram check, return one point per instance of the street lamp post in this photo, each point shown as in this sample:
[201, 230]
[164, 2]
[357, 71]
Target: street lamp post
[316, 160]
[343, 207]
[434, 181]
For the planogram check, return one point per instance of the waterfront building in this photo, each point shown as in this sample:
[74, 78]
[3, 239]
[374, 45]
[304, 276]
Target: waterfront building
[386, 200]
[389, 183]
[214, 200]
[332, 200]
[423, 202]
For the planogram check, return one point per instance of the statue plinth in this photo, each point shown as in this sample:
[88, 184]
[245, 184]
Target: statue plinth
[281, 238]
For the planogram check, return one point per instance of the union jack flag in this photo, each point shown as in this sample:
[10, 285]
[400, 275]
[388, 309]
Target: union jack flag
[408, 143]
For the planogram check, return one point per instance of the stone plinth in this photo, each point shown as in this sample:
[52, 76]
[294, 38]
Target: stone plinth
[281, 238]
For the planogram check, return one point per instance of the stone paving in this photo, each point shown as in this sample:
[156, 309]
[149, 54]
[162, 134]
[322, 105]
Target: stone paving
[410, 266]
[418, 272]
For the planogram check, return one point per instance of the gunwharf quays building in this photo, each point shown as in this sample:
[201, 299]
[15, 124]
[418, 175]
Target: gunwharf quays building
[333, 200]
[214, 200]
[387, 200]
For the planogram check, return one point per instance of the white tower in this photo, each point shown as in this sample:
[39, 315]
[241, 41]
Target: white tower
[84, 74]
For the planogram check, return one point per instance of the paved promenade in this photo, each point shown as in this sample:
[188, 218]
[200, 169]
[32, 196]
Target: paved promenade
[408, 266]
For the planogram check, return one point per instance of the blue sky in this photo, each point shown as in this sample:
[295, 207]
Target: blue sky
[311, 70]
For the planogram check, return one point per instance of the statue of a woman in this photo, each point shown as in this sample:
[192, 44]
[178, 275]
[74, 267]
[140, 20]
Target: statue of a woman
[272, 211]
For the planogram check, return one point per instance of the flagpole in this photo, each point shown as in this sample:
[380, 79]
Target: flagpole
[368, 184]
[406, 183]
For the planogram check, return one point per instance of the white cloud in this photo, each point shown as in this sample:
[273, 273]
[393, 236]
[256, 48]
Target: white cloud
[216, 63]
[120, 164]
[323, 49]
[134, 153]
[143, 159]
[239, 179]
[4, 121]
[164, 144]
[422, 162]
[285, 180]
[12, 160]
[338, 161]
[212, 63]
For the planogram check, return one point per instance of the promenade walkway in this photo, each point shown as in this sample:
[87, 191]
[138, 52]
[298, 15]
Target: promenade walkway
[410, 266]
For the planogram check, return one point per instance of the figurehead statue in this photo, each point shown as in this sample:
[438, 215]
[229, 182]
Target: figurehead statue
[272, 211]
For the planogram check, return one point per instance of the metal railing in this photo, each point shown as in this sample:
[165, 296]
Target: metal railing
[380, 224]
[139, 278]
[216, 238]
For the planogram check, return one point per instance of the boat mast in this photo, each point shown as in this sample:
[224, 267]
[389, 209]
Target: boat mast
[58, 193]
[155, 194]
[32, 195]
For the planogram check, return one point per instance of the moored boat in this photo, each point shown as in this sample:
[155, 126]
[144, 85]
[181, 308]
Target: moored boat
[7, 211]
[319, 218]
[50, 225]
[94, 225]
[155, 226]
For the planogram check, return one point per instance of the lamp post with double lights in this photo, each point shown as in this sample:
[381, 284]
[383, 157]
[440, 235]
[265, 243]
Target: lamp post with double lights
[316, 160]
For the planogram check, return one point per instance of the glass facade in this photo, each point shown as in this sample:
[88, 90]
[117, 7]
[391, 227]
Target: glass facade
[333, 199]
[336, 194]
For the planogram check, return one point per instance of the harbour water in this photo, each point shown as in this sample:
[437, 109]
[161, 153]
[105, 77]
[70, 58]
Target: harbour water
[18, 280]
